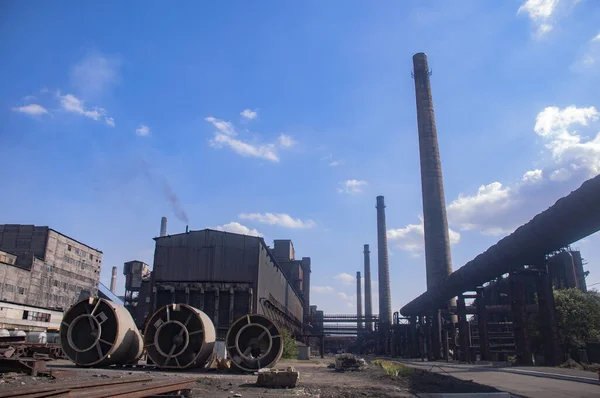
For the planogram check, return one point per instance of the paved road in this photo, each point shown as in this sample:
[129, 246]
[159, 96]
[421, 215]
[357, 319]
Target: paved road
[505, 379]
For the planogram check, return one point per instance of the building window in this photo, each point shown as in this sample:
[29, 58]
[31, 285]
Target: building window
[55, 283]
[21, 290]
[91, 257]
[36, 316]
[9, 288]
[69, 247]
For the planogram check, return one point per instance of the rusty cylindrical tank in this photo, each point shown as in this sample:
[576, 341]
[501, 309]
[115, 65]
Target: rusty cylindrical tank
[179, 336]
[254, 342]
[98, 332]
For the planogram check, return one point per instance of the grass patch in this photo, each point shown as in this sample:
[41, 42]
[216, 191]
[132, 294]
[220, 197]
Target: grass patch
[394, 368]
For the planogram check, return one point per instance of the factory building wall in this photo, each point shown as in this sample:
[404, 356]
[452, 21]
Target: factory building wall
[207, 255]
[54, 279]
[22, 317]
[272, 284]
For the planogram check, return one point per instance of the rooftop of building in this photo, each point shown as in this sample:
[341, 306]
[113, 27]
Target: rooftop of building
[51, 229]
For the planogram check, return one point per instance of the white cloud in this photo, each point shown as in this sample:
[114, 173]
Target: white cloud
[143, 130]
[541, 13]
[95, 73]
[280, 219]
[286, 141]
[237, 228]
[336, 163]
[327, 157]
[321, 289]
[263, 151]
[343, 296]
[223, 126]
[589, 58]
[225, 137]
[346, 278]
[532, 176]
[351, 187]
[411, 238]
[31, 109]
[73, 104]
[29, 98]
[571, 159]
[249, 114]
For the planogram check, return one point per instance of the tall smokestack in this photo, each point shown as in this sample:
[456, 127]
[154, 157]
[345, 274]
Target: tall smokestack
[438, 263]
[163, 226]
[368, 304]
[385, 305]
[113, 280]
[359, 324]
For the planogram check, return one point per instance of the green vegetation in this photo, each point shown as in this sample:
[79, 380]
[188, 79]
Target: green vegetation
[290, 349]
[394, 368]
[578, 317]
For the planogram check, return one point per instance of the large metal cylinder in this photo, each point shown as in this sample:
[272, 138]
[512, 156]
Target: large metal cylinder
[179, 336]
[98, 332]
[254, 342]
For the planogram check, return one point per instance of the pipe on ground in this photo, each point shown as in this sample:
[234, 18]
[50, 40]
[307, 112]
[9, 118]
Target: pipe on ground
[179, 336]
[98, 332]
[254, 342]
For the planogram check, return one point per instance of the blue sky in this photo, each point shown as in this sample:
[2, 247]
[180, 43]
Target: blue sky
[288, 118]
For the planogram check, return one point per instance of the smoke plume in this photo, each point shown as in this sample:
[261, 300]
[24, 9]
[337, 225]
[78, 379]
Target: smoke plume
[162, 182]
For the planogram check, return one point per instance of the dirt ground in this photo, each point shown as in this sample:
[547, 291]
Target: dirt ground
[316, 380]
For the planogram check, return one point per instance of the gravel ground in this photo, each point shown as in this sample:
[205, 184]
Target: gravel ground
[316, 380]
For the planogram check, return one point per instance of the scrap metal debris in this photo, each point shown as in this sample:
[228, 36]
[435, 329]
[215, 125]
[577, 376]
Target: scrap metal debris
[349, 362]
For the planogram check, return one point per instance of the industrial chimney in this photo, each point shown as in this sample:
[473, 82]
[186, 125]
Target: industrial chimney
[163, 226]
[438, 262]
[113, 280]
[359, 324]
[385, 305]
[368, 304]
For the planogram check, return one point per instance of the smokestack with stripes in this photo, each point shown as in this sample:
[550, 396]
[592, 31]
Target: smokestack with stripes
[163, 226]
[368, 298]
[359, 324]
[438, 263]
[385, 306]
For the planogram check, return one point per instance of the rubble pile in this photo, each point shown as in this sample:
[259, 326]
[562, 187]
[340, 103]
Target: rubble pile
[278, 378]
[349, 362]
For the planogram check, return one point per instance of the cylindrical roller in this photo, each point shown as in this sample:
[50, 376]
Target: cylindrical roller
[98, 332]
[179, 336]
[254, 342]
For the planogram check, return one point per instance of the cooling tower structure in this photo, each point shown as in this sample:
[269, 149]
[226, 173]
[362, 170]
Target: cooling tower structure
[368, 298]
[385, 306]
[359, 324]
[438, 263]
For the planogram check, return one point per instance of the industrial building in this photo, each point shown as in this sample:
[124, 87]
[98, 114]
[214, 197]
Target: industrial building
[225, 275]
[43, 272]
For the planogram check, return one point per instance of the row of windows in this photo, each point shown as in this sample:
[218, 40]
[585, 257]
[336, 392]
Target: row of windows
[8, 288]
[66, 286]
[71, 275]
[58, 299]
[77, 263]
[36, 316]
[81, 252]
[6, 259]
